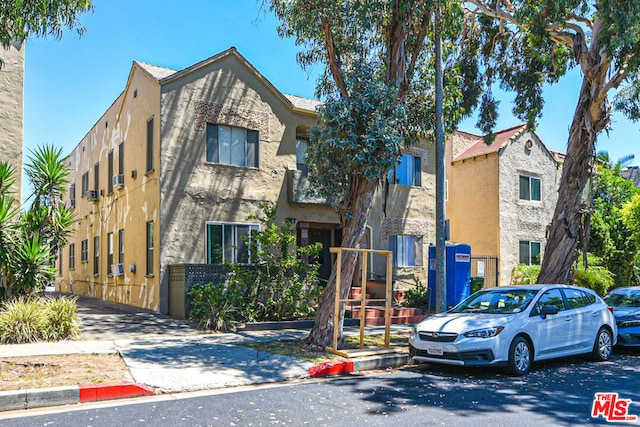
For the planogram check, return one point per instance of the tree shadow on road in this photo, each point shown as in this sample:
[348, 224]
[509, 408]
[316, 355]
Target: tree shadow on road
[562, 390]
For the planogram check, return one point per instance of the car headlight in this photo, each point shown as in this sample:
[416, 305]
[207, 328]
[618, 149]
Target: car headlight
[414, 330]
[627, 323]
[484, 333]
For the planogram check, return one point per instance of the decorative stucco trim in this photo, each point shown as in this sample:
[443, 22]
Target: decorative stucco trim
[396, 226]
[417, 152]
[207, 112]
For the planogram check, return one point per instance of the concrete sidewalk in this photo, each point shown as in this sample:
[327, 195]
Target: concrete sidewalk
[169, 356]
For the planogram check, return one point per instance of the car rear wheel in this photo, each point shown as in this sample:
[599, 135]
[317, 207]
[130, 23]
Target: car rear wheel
[603, 345]
[519, 357]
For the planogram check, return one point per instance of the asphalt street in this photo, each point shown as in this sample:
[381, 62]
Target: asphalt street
[557, 393]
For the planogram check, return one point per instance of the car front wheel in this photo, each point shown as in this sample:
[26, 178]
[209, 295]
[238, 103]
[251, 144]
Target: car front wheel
[519, 357]
[603, 345]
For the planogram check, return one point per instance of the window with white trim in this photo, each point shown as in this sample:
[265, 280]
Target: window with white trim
[529, 188]
[232, 145]
[226, 243]
[301, 150]
[407, 250]
[529, 252]
[84, 251]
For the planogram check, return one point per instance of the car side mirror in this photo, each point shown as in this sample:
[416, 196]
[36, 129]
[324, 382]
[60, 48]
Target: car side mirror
[548, 309]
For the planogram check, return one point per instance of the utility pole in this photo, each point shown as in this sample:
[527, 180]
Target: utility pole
[441, 260]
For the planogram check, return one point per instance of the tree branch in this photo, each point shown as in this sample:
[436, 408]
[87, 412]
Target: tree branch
[335, 61]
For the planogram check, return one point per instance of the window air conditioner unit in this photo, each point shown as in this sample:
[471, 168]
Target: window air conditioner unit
[117, 269]
[118, 180]
[92, 195]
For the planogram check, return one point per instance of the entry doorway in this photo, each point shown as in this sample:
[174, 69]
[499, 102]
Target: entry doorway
[327, 237]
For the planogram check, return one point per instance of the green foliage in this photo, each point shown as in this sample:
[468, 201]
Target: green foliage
[417, 297]
[281, 284]
[378, 83]
[21, 19]
[595, 277]
[611, 236]
[27, 319]
[525, 274]
[61, 321]
[29, 242]
[214, 306]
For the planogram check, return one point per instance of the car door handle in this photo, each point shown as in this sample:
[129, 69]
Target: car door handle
[568, 318]
[595, 314]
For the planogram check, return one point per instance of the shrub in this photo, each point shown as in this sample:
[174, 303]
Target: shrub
[61, 318]
[417, 296]
[214, 306]
[281, 284]
[22, 320]
[28, 319]
[595, 277]
[525, 274]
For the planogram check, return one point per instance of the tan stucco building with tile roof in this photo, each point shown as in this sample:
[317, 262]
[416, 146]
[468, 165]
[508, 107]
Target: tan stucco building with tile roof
[501, 196]
[170, 172]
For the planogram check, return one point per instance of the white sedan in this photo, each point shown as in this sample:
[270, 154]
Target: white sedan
[515, 325]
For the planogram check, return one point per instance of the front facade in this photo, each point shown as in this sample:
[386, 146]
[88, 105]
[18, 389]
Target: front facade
[12, 110]
[171, 171]
[501, 197]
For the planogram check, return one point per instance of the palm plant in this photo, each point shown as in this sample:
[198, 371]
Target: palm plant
[29, 242]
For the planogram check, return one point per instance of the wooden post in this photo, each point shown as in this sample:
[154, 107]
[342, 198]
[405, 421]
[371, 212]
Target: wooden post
[336, 313]
[387, 308]
[363, 297]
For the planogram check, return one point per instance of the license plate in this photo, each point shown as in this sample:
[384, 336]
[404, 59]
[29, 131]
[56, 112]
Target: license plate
[435, 350]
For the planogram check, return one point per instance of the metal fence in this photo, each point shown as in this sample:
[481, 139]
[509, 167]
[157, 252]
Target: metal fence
[486, 266]
[183, 276]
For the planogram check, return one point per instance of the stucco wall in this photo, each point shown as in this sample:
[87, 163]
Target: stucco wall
[194, 191]
[410, 211]
[12, 109]
[472, 206]
[128, 208]
[524, 219]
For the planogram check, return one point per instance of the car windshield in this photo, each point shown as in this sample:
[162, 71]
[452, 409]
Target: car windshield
[623, 299]
[497, 301]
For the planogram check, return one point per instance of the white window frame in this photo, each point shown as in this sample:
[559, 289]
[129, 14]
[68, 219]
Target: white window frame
[233, 250]
[220, 151]
[530, 180]
[409, 245]
[530, 258]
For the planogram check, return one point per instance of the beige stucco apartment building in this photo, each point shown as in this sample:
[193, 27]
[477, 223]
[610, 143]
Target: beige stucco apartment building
[170, 172]
[12, 108]
[501, 196]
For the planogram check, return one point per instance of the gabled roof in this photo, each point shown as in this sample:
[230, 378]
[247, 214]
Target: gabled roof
[632, 173]
[167, 75]
[156, 71]
[479, 148]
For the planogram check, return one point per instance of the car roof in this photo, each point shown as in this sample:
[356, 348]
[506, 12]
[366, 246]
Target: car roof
[535, 287]
[626, 290]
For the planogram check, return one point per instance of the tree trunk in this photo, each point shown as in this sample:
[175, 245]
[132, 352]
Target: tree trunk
[574, 194]
[354, 220]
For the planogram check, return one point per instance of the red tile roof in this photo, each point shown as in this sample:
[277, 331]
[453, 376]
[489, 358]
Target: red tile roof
[479, 148]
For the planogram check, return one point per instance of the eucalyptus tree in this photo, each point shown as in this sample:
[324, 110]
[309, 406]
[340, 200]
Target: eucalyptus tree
[378, 95]
[527, 43]
[21, 19]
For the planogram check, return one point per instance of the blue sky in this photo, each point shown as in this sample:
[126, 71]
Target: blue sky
[69, 83]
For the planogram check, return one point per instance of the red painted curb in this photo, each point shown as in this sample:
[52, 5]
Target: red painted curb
[331, 368]
[96, 392]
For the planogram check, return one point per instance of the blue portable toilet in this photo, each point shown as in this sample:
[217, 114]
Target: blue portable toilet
[458, 277]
